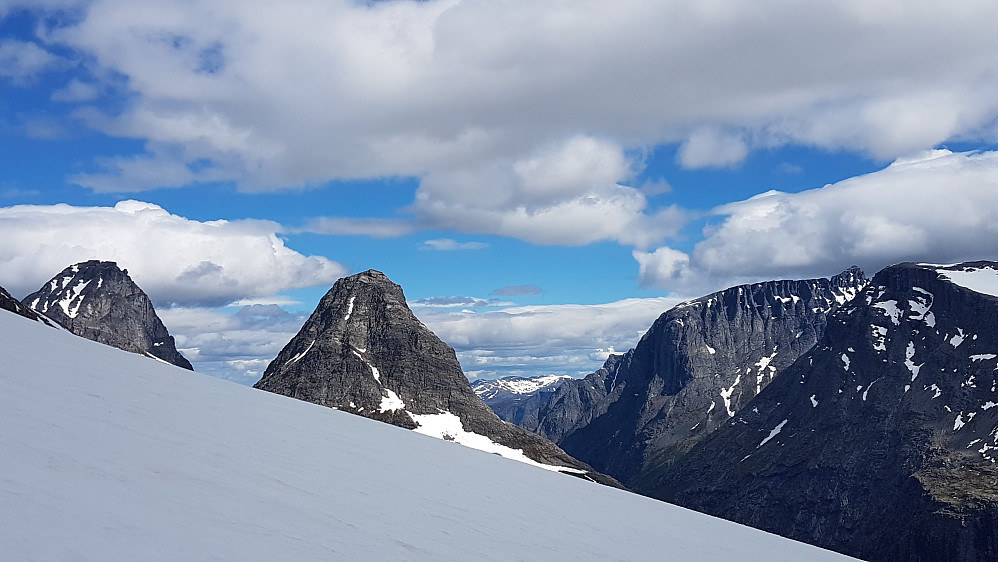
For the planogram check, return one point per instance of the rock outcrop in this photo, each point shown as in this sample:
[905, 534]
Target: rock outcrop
[364, 351]
[98, 301]
[697, 365]
[882, 441]
[9, 303]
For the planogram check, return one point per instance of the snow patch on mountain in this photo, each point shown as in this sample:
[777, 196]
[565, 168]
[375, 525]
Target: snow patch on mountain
[773, 433]
[909, 353]
[300, 355]
[765, 368]
[726, 395]
[890, 308]
[879, 337]
[982, 280]
[447, 426]
[957, 339]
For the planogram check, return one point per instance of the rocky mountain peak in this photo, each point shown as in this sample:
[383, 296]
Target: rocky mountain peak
[11, 304]
[895, 410]
[363, 351]
[99, 301]
[851, 278]
[691, 371]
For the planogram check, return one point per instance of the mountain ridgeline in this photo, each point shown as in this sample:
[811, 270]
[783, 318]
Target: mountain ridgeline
[697, 365]
[9, 303]
[363, 351]
[518, 399]
[99, 301]
[882, 441]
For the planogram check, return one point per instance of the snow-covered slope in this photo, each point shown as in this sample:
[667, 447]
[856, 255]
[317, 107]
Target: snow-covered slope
[109, 456]
[980, 277]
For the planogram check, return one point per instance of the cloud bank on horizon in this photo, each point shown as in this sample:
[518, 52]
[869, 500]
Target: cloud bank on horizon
[533, 121]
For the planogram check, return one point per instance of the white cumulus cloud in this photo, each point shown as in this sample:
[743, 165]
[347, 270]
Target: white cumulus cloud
[237, 345]
[707, 148]
[22, 61]
[172, 258]
[543, 339]
[938, 206]
[518, 119]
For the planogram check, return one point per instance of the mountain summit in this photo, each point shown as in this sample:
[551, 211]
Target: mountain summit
[99, 301]
[882, 441]
[697, 365]
[365, 352]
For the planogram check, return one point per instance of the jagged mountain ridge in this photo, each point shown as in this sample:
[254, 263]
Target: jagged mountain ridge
[363, 351]
[99, 301]
[515, 398]
[9, 303]
[882, 441]
[694, 368]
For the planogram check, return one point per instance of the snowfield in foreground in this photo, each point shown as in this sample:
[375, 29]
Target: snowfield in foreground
[108, 455]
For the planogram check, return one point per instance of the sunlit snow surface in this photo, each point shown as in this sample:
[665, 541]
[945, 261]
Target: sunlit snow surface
[982, 280]
[107, 455]
[446, 425]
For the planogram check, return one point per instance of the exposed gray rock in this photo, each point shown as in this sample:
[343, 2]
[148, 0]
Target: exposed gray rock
[363, 351]
[882, 441]
[697, 365]
[11, 304]
[100, 302]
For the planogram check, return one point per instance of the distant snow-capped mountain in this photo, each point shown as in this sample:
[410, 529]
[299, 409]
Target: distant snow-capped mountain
[518, 399]
[110, 456]
[100, 302]
[513, 387]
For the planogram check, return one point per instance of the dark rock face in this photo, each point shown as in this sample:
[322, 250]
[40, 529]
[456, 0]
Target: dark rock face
[882, 441]
[697, 365]
[11, 304]
[363, 351]
[100, 302]
[518, 399]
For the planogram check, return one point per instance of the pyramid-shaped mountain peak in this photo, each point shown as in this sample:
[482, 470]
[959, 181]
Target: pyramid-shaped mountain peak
[99, 301]
[363, 351]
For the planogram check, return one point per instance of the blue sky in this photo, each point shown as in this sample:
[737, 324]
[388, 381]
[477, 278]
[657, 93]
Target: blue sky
[560, 172]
